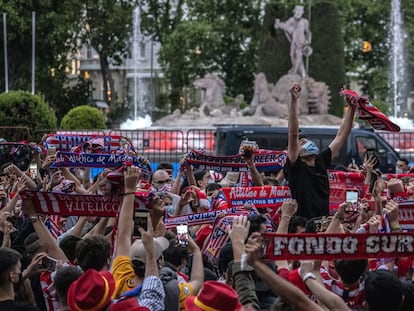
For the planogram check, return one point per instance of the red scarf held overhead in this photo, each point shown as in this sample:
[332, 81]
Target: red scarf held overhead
[367, 111]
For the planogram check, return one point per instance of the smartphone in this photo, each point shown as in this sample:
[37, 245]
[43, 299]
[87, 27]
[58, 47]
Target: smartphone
[48, 263]
[33, 170]
[140, 221]
[352, 198]
[182, 234]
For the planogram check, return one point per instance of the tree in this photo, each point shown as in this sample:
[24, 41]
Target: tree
[107, 29]
[327, 61]
[52, 44]
[19, 108]
[218, 36]
[83, 117]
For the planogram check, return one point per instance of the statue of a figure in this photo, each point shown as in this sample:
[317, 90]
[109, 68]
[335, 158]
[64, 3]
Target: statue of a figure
[297, 31]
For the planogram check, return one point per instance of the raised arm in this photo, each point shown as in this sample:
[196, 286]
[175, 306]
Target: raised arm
[293, 125]
[42, 232]
[123, 238]
[343, 132]
[282, 288]
[312, 280]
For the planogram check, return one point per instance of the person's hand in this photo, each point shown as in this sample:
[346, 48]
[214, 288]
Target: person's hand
[370, 162]
[373, 223]
[240, 229]
[379, 186]
[192, 245]
[341, 212]
[238, 234]
[49, 160]
[391, 210]
[35, 266]
[158, 209]
[160, 230]
[295, 91]
[131, 178]
[395, 185]
[13, 169]
[289, 207]
[21, 184]
[147, 237]
[306, 266]
[253, 248]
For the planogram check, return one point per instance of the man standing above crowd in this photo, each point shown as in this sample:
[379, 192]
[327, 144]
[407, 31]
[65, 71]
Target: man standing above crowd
[306, 167]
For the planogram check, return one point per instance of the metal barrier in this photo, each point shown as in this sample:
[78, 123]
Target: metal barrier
[164, 145]
[402, 142]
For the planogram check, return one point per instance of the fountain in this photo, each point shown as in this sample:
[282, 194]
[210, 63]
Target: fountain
[397, 59]
[141, 118]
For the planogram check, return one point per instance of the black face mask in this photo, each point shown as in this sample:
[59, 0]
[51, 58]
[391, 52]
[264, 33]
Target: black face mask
[19, 283]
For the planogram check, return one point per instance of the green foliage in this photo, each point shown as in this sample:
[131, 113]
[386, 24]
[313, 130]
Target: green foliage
[274, 59]
[218, 36]
[83, 117]
[327, 61]
[53, 43]
[72, 96]
[119, 113]
[19, 108]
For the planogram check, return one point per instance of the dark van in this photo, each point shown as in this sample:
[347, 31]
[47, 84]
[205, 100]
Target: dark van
[228, 139]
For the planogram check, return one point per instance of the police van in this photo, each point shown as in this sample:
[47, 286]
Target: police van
[360, 140]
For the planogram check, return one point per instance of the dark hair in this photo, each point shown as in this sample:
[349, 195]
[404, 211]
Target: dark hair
[296, 221]
[198, 175]
[68, 245]
[9, 258]
[213, 186]
[225, 257]
[139, 268]
[93, 252]
[175, 253]
[64, 277]
[408, 290]
[351, 271]
[404, 160]
[255, 222]
[383, 291]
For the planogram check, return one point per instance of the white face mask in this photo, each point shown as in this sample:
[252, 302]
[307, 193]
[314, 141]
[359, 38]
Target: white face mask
[398, 170]
[164, 188]
[211, 181]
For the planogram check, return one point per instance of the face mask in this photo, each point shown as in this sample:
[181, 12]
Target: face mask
[164, 188]
[398, 170]
[211, 181]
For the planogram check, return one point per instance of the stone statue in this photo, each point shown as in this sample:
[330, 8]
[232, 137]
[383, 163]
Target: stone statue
[297, 31]
[263, 104]
[214, 88]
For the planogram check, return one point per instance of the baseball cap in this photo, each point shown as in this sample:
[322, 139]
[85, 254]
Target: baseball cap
[138, 250]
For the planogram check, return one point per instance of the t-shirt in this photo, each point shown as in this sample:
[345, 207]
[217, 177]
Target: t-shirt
[309, 185]
[186, 290]
[123, 273]
[13, 305]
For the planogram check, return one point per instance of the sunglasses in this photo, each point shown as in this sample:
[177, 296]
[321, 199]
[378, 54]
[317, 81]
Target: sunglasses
[160, 182]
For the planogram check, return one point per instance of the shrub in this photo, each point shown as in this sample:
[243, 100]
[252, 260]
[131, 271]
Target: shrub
[83, 117]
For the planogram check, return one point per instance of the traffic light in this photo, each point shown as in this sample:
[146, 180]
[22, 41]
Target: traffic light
[367, 47]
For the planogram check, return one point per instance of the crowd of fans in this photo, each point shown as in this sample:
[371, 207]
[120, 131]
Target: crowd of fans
[90, 263]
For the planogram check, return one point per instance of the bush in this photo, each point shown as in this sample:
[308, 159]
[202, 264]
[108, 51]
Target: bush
[20, 108]
[83, 117]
